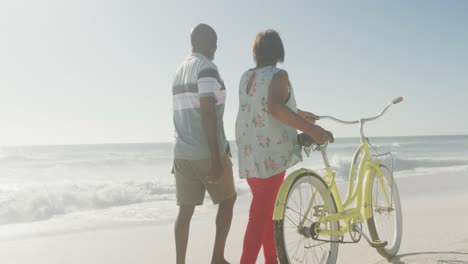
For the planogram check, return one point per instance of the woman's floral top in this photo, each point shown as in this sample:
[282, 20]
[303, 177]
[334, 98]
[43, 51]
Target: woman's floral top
[265, 145]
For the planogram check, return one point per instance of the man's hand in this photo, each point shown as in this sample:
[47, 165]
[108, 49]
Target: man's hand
[215, 171]
[311, 118]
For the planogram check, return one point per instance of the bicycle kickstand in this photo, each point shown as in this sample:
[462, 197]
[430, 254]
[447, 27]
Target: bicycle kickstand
[375, 243]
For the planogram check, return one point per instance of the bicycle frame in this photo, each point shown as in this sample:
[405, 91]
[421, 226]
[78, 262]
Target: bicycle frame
[357, 205]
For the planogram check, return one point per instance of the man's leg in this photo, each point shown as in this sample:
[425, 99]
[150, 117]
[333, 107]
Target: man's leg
[181, 231]
[223, 224]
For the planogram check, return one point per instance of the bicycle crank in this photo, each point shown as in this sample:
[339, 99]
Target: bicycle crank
[375, 243]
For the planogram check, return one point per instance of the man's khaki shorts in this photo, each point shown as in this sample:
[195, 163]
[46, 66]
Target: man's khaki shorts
[191, 181]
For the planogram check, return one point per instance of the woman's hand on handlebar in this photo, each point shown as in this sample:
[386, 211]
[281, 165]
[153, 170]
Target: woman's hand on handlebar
[309, 117]
[318, 134]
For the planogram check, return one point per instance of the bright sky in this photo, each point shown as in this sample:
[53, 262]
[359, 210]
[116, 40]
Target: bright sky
[94, 71]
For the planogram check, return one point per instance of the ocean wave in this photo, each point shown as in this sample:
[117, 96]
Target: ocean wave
[41, 202]
[342, 165]
[351, 147]
[52, 183]
[4, 159]
[101, 161]
[411, 164]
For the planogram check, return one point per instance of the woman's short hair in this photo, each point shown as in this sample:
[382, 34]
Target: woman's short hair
[268, 48]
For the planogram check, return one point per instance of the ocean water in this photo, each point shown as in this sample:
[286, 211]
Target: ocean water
[61, 189]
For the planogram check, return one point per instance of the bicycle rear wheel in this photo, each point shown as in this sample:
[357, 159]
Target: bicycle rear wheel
[295, 243]
[386, 223]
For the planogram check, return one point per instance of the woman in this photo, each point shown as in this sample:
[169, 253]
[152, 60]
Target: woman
[267, 139]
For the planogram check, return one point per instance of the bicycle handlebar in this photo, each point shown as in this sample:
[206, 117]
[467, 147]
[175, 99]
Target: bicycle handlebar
[394, 101]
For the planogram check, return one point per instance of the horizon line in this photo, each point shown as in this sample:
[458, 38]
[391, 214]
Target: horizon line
[229, 140]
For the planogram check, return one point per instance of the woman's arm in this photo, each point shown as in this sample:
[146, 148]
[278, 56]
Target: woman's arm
[277, 94]
[307, 116]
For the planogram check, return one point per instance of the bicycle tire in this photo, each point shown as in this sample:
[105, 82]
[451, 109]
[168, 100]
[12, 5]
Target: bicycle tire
[281, 245]
[375, 223]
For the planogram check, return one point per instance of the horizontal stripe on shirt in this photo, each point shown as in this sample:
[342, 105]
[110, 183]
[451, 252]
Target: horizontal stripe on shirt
[185, 88]
[209, 72]
[192, 101]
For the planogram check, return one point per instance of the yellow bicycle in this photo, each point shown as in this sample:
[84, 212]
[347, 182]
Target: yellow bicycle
[311, 220]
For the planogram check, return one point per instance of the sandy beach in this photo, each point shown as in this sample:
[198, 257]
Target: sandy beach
[434, 210]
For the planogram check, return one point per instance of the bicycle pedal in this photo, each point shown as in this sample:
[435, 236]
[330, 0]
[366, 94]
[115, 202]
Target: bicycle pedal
[378, 243]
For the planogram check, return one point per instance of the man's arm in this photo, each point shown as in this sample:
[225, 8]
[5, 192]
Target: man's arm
[207, 85]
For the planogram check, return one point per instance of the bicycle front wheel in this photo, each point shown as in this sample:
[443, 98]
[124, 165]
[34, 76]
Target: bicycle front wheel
[386, 223]
[296, 240]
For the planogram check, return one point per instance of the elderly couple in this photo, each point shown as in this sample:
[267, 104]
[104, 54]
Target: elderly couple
[266, 136]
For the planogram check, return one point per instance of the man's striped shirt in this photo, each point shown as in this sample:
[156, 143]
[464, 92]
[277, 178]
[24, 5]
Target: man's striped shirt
[196, 77]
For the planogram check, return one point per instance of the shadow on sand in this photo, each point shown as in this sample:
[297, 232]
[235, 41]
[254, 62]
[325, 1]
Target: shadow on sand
[446, 257]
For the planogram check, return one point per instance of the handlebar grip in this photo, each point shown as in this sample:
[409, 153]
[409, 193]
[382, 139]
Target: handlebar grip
[330, 134]
[397, 100]
[304, 140]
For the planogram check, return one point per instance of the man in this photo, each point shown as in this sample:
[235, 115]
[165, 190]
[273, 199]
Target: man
[201, 153]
